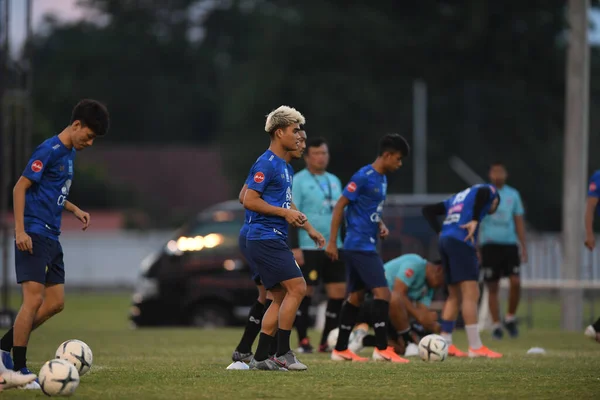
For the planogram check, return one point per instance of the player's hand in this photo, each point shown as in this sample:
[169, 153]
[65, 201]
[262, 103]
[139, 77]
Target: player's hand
[524, 255]
[332, 251]
[317, 238]
[299, 256]
[471, 227]
[24, 242]
[590, 242]
[295, 218]
[383, 231]
[83, 217]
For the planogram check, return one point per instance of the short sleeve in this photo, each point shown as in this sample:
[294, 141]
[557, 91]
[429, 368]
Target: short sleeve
[594, 186]
[39, 161]
[518, 207]
[248, 178]
[260, 175]
[353, 188]
[406, 274]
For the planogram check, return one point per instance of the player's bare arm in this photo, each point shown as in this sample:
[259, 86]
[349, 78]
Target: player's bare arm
[315, 235]
[253, 202]
[242, 193]
[590, 208]
[81, 215]
[520, 228]
[22, 239]
[336, 221]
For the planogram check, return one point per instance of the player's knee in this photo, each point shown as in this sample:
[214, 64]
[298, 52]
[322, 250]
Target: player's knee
[57, 307]
[32, 301]
[515, 281]
[492, 287]
[297, 288]
[356, 298]
[382, 293]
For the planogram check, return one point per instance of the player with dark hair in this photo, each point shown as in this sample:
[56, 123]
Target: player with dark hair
[243, 351]
[315, 192]
[458, 236]
[39, 197]
[591, 208]
[363, 200]
[269, 198]
[500, 235]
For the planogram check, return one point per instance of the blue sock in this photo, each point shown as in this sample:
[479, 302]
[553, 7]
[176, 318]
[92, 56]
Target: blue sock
[447, 326]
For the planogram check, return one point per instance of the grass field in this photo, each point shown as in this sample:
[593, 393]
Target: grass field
[190, 364]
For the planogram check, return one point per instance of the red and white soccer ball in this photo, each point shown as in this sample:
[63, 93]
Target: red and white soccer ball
[433, 348]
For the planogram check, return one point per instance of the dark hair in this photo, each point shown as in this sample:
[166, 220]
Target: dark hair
[437, 262]
[392, 142]
[497, 164]
[314, 142]
[92, 114]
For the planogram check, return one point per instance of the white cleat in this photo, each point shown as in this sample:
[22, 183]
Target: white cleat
[590, 332]
[412, 350]
[11, 379]
[356, 342]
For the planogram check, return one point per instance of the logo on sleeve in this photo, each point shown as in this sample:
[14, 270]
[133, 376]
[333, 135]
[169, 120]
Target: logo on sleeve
[351, 187]
[409, 273]
[37, 166]
[259, 177]
[593, 187]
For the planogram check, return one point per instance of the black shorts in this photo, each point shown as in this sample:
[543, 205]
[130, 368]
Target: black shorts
[318, 266]
[499, 261]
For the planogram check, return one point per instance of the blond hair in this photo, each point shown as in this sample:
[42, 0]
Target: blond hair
[282, 117]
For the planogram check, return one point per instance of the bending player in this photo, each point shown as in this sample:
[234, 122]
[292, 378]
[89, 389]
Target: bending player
[464, 211]
[269, 197]
[243, 351]
[40, 196]
[364, 197]
[592, 331]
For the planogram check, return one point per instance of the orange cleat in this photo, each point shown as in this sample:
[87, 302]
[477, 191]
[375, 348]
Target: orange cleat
[347, 355]
[388, 355]
[453, 351]
[483, 352]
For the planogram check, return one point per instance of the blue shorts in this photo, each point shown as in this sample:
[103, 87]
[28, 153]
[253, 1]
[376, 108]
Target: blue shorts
[364, 270]
[274, 261]
[246, 253]
[459, 260]
[45, 265]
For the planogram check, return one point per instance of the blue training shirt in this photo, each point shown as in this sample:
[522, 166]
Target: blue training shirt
[499, 228]
[315, 196]
[594, 188]
[272, 178]
[459, 211]
[366, 192]
[50, 168]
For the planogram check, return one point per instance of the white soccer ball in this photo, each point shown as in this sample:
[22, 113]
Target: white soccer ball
[77, 353]
[58, 378]
[433, 348]
[333, 337]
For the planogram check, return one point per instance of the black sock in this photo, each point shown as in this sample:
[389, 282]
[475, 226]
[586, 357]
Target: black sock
[262, 351]
[405, 334]
[332, 317]
[380, 320]
[273, 346]
[19, 357]
[252, 328]
[302, 318]
[283, 341]
[347, 321]
[596, 327]
[369, 341]
[6, 343]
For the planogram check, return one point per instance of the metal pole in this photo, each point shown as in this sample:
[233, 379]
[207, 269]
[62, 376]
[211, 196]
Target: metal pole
[575, 160]
[420, 136]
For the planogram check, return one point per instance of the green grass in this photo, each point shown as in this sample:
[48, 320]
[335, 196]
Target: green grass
[190, 364]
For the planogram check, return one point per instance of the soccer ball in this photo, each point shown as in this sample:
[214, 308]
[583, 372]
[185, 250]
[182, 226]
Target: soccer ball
[77, 353]
[433, 348]
[58, 378]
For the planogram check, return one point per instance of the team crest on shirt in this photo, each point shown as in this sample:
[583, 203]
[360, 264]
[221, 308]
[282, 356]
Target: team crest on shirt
[409, 273]
[288, 194]
[593, 187]
[351, 187]
[259, 177]
[37, 166]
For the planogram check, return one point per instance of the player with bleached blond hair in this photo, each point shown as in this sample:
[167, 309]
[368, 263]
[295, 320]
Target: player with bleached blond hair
[269, 199]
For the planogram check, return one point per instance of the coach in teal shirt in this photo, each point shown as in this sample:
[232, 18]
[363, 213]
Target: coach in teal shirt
[315, 192]
[499, 237]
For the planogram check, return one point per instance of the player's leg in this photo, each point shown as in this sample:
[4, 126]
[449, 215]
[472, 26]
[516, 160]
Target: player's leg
[243, 351]
[311, 270]
[513, 272]
[261, 359]
[33, 297]
[491, 274]
[334, 278]
[399, 318]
